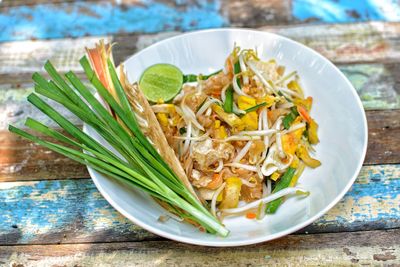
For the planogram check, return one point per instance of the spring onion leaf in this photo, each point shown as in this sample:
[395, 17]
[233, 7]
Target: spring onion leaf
[236, 70]
[133, 159]
[283, 182]
[228, 104]
[187, 78]
[254, 108]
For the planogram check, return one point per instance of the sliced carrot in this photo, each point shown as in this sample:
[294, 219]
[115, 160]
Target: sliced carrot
[304, 114]
[251, 215]
[215, 182]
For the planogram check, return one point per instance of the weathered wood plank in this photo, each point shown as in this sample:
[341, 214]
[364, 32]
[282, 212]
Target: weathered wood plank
[20, 157]
[341, 249]
[378, 85]
[22, 160]
[255, 13]
[345, 11]
[10, 3]
[71, 211]
[341, 43]
[348, 43]
[383, 137]
[77, 19]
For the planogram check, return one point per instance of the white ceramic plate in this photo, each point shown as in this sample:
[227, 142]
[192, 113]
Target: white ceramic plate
[337, 109]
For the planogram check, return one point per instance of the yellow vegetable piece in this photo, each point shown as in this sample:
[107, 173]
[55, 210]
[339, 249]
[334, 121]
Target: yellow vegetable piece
[162, 119]
[297, 174]
[230, 118]
[312, 132]
[290, 141]
[303, 154]
[306, 103]
[245, 102]
[217, 124]
[231, 193]
[220, 197]
[269, 99]
[275, 176]
[221, 133]
[250, 121]
[295, 162]
[295, 86]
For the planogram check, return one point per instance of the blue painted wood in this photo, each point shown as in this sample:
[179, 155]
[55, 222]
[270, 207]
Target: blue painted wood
[74, 211]
[80, 18]
[336, 11]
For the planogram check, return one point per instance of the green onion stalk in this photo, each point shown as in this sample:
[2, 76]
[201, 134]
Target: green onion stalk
[138, 163]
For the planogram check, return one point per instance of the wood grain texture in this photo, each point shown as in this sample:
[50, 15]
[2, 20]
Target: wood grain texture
[21, 160]
[341, 43]
[78, 19]
[348, 43]
[20, 157]
[255, 13]
[383, 137]
[73, 211]
[378, 85]
[345, 11]
[11, 3]
[341, 249]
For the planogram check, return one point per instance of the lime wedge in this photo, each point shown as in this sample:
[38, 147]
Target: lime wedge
[161, 82]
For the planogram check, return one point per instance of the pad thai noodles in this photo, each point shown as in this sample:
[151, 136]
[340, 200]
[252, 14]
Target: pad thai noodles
[242, 133]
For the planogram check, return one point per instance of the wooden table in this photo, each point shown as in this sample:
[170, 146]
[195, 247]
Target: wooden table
[51, 214]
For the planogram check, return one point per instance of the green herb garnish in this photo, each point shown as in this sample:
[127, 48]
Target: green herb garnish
[138, 163]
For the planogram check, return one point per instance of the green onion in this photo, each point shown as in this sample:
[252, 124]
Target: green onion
[254, 108]
[236, 70]
[228, 104]
[141, 165]
[283, 183]
[187, 78]
[182, 130]
[289, 118]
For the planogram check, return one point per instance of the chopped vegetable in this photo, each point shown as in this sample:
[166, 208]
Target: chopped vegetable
[162, 119]
[230, 118]
[251, 215]
[304, 114]
[275, 176]
[306, 103]
[297, 174]
[231, 193]
[250, 121]
[220, 133]
[282, 184]
[269, 100]
[295, 86]
[215, 182]
[236, 70]
[291, 141]
[303, 154]
[193, 78]
[312, 132]
[228, 104]
[256, 107]
[182, 130]
[245, 102]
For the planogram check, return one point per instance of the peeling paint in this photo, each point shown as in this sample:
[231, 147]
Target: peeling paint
[78, 19]
[74, 207]
[335, 11]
